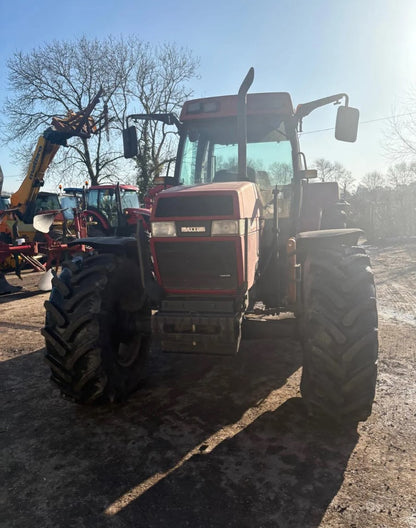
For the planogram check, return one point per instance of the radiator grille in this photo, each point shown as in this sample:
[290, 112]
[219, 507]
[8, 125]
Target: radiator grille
[210, 265]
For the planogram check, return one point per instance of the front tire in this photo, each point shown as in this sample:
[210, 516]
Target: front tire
[339, 334]
[97, 328]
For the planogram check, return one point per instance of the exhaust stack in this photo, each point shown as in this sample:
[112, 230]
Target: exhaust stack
[242, 123]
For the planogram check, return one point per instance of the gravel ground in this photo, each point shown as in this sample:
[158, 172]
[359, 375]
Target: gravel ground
[210, 442]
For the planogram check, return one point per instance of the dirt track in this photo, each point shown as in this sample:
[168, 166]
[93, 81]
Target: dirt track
[209, 442]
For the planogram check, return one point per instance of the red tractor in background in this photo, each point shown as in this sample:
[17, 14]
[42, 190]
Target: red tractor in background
[229, 236]
[113, 209]
[105, 209]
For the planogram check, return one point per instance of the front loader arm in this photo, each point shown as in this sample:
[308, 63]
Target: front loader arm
[24, 198]
[78, 124]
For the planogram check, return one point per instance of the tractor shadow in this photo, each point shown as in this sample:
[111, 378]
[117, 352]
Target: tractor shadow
[278, 472]
[205, 442]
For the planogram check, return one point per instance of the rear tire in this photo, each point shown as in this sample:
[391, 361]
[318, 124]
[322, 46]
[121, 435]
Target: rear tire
[97, 328]
[338, 322]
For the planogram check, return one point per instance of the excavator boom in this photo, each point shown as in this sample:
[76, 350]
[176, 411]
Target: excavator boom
[24, 198]
[75, 124]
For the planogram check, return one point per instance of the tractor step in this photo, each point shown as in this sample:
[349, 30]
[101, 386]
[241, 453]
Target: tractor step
[263, 326]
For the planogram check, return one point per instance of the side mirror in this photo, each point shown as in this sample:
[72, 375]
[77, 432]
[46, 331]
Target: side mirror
[346, 126]
[130, 142]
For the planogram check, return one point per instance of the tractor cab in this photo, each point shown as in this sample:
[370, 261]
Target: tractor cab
[209, 146]
[72, 200]
[46, 201]
[209, 141]
[112, 209]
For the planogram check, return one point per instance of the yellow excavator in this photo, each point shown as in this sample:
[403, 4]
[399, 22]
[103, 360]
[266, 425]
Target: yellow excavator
[17, 232]
[78, 124]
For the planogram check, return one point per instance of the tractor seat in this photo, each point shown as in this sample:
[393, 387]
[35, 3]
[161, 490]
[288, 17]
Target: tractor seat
[227, 175]
[262, 179]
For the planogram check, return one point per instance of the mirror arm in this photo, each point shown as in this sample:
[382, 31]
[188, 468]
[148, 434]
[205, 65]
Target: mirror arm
[167, 119]
[305, 109]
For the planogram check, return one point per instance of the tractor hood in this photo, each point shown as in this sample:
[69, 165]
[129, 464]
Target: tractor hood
[205, 238]
[223, 200]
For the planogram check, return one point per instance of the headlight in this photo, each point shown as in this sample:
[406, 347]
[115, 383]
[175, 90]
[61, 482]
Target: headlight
[163, 229]
[225, 227]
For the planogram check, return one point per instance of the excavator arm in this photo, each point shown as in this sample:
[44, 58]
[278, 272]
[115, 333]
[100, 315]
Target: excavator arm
[78, 124]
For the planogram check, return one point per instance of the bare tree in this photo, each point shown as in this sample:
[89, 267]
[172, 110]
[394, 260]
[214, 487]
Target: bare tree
[343, 177]
[400, 134]
[324, 168]
[401, 174]
[373, 180]
[63, 76]
[334, 171]
[282, 173]
[160, 86]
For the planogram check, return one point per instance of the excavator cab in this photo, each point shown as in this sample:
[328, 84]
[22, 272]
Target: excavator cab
[47, 201]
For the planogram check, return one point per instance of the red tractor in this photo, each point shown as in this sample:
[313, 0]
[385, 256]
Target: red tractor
[112, 210]
[242, 228]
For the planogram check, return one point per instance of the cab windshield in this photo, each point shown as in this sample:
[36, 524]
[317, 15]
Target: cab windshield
[210, 154]
[47, 202]
[107, 198]
[129, 199]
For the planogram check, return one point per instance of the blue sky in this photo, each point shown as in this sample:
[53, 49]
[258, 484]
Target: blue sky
[310, 48]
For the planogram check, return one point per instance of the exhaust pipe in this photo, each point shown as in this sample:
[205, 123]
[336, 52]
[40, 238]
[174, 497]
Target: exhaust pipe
[242, 123]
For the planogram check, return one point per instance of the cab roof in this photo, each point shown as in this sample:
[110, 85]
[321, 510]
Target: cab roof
[278, 103]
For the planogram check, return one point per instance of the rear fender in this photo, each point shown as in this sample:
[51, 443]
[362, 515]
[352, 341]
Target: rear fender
[134, 216]
[308, 241]
[98, 217]
[117, 245]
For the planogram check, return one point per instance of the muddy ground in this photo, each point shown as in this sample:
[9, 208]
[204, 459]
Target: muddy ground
[210, 442]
